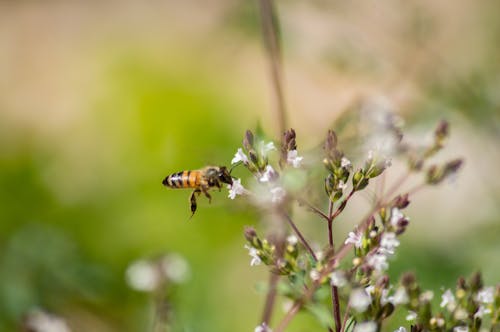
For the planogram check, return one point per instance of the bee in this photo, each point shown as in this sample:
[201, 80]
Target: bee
[201, 180]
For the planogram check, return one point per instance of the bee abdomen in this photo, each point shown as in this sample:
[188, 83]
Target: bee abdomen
[185, 179]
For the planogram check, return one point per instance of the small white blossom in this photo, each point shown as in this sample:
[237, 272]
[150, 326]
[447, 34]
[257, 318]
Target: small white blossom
[292, 158]
[319, 255]
[354, 238]
[448, 300]
[338, 279]
[366, 327]
[314, 275]
[143, 276]
[263, 328]
[412, 315]
[341, 185]
[370, 290]
[400, 329]
[277, 194]
[345, 163]
[378, 262]
[388, 243]
[269, 174]
[265, 148]
[396, 216]
[175, 268]
[240, 156]
[254, 253]
[460, 314]
[486, 295]
[292, 239]
[40, 321]
[481, 311]
[426, 296]
[385, 298]
[359, 299]
[235, 189]
[400, 297]
[460, 329]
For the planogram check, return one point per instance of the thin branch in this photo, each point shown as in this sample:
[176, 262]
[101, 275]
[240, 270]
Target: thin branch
[301, 237]
[346, 316]
[270, 298]
[289, 316]
[312, 208]
[272, 44]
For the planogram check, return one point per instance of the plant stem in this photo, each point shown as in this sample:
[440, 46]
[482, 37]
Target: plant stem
[312, 208]
[270, 298]
[301, 237]
[272, 44]
[289, 316]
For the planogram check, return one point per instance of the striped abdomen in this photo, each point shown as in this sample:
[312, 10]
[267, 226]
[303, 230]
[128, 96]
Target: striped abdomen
[185, 179]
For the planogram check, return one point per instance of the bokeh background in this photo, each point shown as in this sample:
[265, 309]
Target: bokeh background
[99, 100]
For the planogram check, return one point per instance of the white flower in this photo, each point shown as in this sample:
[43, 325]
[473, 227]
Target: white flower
[292, 158]
[292, 239]
[378, 262]
[265, 148]
[240, 156]
[400, 297]
[269, 174]
[460, 314]
[481, 311]
[143, 276]
[277, 194]
[412, 315]
[40, 321]
[396, 216]
[355, 239]
[342, 185]
[175, 268]
[359, 299]
[263, 328]
[366, 327]
[254, 253]
[345, 163]
[338, 279]
[388, 243]
[235, 189]
[448, 300]
[486, 295]
[400, 329]
[460, 329]
[426, 296]
[314, 275]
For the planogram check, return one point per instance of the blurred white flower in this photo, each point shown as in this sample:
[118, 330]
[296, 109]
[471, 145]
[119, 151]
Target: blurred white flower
[175, 268]
[254, 253]
[294, 159]
[355, 239]
[314, 275]
[341, 185]
[359, 299]
[338, 279]
[143, 276]
[460, 329]
[412, 315]
[400, 296]
[481, 311]
[388, 243]
[235, 189]
[40, 321]
[426, 296]
[263, 328]
[345, 163]
[266, 147]
[448, 300]
[460, 314]
[486, 295]
[269, 174]
[366, 327]
[400, 329]
[396, 216]
[378, 262]
[292, 239]
[240, 156]
[277, 194]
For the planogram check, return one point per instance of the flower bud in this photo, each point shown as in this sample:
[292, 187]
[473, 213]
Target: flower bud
[401, 201]
[359, 181]
[248, 140]
[476, 282]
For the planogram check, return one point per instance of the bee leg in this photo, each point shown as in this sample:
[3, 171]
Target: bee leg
[192, 199]
[205, 191]
[218, 185]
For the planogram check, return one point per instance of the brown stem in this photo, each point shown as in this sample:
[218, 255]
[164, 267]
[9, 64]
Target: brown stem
[272, 43]
[301, 237]
[289, 316]
[312, 208]
[346, 316]
[270, 298]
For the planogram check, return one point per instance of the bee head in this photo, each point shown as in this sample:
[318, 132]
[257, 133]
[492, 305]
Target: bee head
[225, 175]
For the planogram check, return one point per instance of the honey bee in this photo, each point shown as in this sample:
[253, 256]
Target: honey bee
[201, 180]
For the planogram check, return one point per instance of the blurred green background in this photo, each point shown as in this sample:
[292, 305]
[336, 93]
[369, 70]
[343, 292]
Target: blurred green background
[100, 100]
